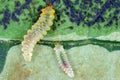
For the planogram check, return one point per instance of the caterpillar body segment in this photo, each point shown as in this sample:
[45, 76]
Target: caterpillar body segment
[37, 32]
[63, 60]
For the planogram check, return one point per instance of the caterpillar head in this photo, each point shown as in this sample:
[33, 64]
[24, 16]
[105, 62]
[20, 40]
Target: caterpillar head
[48, 9]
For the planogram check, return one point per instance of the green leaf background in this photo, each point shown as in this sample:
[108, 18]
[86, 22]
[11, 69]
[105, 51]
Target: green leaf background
[90, 59]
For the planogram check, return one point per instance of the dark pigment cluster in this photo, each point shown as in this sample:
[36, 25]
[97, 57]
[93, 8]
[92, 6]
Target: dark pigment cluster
[80, 15]
[7, 15]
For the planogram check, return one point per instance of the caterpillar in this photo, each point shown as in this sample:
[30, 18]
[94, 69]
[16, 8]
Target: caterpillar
[38, 31]
[63, 60]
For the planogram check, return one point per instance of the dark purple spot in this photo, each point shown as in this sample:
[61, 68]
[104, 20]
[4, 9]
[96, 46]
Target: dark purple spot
[72, 12]
[78, 21]
[116, 4]
[28, 1]
[96, 10]
[82, 6]
[90, 23]
[7, 13]
[116, 12]
[89, 15]
[76, 2]
[80, 16]
[6, 20]
[100, 12]
[49, 1]
[72, 19]
[107, 4]
[24, 6]
[57, 1]
[18, 11]
[54, 1]
[97, 1]
[67, 3]
[6, 16]
[99, 19]
[17, 3]
[5, 25]
[72, 9]
[86, 1]
[14, 18]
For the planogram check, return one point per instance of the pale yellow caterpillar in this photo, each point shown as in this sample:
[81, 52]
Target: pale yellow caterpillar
[63, 60]
[39, 29]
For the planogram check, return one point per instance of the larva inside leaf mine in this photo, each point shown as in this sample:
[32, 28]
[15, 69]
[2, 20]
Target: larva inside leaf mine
[63, 60]
[39, 29]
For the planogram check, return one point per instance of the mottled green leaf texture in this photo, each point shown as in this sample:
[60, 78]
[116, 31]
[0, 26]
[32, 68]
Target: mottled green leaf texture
[83, 18]
[88, 30]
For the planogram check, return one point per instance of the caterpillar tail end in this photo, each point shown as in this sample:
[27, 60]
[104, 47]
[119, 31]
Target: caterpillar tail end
[69, 72]
[27, 56]
[63, 60]
[65, 65]
[71, 75]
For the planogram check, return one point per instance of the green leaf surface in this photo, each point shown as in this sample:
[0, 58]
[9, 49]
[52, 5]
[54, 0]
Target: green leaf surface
[93, 50]
[89, 62]
[16, 30]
